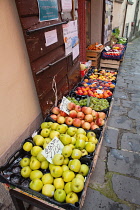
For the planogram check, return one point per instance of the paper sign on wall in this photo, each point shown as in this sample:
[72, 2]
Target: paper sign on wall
[48, 10]
[66, 5]
[54, 147]
[51, 37]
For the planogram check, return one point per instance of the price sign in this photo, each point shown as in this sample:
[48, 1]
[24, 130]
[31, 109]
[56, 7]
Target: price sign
[64, 105]
[34, 134]
[54, 147]
[99, 91]
[107, 48]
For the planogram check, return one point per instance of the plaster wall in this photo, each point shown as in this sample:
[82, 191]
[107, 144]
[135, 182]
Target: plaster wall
[19, 103]
[96, 21]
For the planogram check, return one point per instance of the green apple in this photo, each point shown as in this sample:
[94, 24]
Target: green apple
[73, 140]
[40, 157]
[54, 126]
[47, 140]
[25, 171]
[45, 145]
[67, 151]
[66, 127]
[72, 198]
[80, 176]
[65, 139]
[48, 190]
[84, 152]
[58, 183]
[68, 176]
[44, 125]
[84, 170]
[34, 164]
[25, 162]
[80, 144]
[91, 134]
[45, 132]
[36, 174]
[56, 171]
[80, 136]
[90, 147]
[76, 154]
[58, 159]
[44, 164]
[71, 131]
[61, 128]
[81, 130]
[27, 146]
[66, 161]
[39, 140]
[65, 167]
[50, 166]
[72, 146]
[35, 150]
[53, 134]
[36, 184]
[47, 179]
[74, 165]
[60, 195]
[67, 187]
[93, 139]
[77, 185]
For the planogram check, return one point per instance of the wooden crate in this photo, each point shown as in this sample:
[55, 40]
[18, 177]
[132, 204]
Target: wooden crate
[94, 56]
[109, 64]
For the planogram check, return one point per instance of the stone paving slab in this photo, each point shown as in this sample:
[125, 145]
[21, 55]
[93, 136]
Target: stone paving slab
[127, 188]
[131, 142]
[124, 162]
[110, 137]
[118, 110]
[138, 126]
[122, 122]
[96, 201]
[120, 94]
[134, 113]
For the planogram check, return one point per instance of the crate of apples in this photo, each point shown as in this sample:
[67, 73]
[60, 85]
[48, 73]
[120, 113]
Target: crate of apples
[79, 116]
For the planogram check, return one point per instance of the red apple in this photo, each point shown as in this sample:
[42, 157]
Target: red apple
[73, 114]
[86, 110]
[100, 122]
[68, 120]
[95, 114]
[78, 108]
[102, 115]
[82, 121]
[88, 118]
[55, 110]
[86, 125]
[60, 119]
[92, 123]
[80, 115]
[77, 122]
[94, 127]
[53, 116]
[64, 114]
[71, 106]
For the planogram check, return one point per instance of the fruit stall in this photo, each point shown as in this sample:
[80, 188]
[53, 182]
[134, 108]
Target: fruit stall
[52, 167]
[112, 56]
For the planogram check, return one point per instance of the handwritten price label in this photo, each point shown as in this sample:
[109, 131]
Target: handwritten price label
[64, 105]
[54, 147]
[99, 91]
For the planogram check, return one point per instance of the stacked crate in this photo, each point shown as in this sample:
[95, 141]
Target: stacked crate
[109, 64]
[94, 56]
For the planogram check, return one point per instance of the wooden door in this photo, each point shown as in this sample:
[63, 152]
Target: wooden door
[49, 64]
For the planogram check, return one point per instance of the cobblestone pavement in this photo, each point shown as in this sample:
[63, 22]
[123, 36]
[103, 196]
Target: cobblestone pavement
[115, 183]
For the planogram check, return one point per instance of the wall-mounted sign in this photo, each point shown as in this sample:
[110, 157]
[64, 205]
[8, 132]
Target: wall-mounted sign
[51, 37]
[66, 5]
[48, 10]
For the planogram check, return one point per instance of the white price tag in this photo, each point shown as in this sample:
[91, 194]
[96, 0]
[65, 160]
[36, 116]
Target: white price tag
[64, 105]
[34, 134]
[54, 147]
[107, 48]
[99, 91]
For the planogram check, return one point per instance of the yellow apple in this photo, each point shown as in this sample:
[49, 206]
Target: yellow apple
[48, 190]
[47, 179]
[58, 183]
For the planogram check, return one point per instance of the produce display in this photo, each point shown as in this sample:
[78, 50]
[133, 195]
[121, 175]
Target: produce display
[84, 117]
[94, 103]
[122, 40]
[56, 162]
[96, 46]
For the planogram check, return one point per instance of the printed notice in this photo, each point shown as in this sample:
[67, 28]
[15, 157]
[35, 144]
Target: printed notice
[66, 5]
[54, 147]
[51, 37]
[48, 10]
[64, 105]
